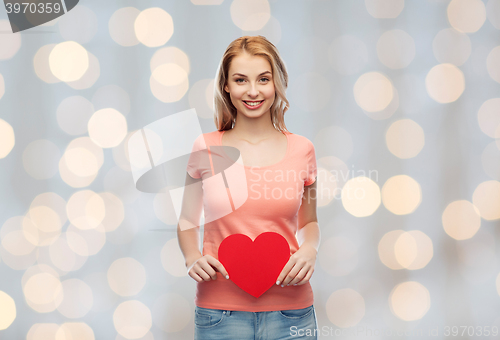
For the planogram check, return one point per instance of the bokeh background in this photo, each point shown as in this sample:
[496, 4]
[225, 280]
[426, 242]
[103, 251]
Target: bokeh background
[402, 102]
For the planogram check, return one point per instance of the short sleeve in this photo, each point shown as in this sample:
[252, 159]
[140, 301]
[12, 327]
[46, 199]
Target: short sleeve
[311, 164]
[193, 166]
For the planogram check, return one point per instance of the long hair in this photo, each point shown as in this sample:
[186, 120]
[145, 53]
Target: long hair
[225, 112]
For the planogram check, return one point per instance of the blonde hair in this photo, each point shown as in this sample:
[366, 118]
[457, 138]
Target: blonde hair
[225, 112]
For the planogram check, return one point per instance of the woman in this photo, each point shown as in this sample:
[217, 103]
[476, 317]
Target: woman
[279, 196]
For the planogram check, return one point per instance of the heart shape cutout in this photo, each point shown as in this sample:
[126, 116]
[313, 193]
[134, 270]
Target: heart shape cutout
[254, 266]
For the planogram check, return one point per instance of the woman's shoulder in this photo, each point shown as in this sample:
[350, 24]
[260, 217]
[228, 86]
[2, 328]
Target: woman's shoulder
[300, 141]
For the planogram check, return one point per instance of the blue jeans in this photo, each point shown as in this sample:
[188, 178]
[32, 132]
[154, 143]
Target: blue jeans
[287, 324]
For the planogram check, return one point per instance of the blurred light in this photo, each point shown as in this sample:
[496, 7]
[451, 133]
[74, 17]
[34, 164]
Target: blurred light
[326, 187]
[386, 251]
[384, 9]
[126, 277]
[490, 160]
[112, 96]
[445, 83]
[68, 61]
[250, 16]
[338, 256]
[345, 308]
[42, 331]
[41, 64]
[451, 46]
[396, 49]
[132, 319]
[86, 242]
[466, 15]
[115, 211]
[126, 232]
[45, 218]
[120, 153]
[201, 97]
[169, 74]
[74, 330]
[373, 91]
[168, 94]
[71, 179]
[314, 91]
[413, 249]
[409, 301]
[493, 64]
[10, 42]
[207, 2]
[7, 310]
[79, 24]
[7, 138]
[43, 292]
[401, 194]
[405, 138]
[62, 256]
[121, 26]
[90, 76]
[172, 312]
[73, 114]
[348, 54]
[172, 259]
[154, 27]
[488, 117]
[107, 127]
[78, 299]
[40, 159]
[486, 198]
[493, 13]
[170, 55]
[361, 196]
[338, 170]
[18, 238]
[86, 209]
[81, 162]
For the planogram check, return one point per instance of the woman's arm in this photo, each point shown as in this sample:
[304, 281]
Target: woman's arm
[308, 233]
[199, 267]
[188, 229]
[300, 266]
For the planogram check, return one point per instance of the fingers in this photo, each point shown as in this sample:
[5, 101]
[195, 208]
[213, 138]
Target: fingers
[285, 271]
[201, 270]
[300, 275]
[216, 263]
[306, 278]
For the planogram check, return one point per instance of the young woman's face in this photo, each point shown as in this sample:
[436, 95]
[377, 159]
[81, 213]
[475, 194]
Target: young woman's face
[250, 81]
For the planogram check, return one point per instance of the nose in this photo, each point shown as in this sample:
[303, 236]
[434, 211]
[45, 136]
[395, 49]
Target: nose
[253, 91]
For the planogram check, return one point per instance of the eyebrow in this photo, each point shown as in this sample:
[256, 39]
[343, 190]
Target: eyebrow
[239, 74]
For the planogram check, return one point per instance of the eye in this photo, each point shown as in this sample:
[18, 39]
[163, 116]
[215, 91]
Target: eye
[237, 80]
[264, 79]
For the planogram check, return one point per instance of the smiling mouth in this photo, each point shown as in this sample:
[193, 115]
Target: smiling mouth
[253, 103]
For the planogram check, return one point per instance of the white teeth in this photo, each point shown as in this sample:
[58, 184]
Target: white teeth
[254, 104]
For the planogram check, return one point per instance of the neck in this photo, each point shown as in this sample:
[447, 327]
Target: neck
[254, 128]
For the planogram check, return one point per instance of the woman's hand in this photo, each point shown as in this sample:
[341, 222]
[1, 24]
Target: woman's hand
[202, 268]
[299, 268]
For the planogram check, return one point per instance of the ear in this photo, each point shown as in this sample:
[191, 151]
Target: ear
[226, 88]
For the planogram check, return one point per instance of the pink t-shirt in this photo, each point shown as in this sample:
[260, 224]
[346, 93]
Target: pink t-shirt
[273, 197]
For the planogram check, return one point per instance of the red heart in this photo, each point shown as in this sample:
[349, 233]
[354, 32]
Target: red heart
[254, 266]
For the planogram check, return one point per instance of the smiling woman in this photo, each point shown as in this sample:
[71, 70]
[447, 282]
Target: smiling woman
[252, 200]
